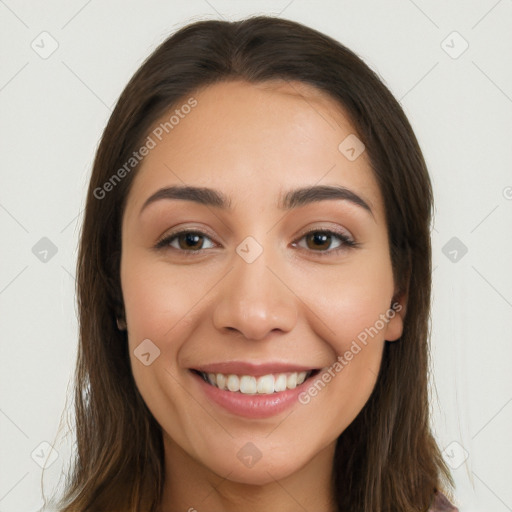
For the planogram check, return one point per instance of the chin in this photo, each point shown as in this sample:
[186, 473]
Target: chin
[259, 472]
[260, 476]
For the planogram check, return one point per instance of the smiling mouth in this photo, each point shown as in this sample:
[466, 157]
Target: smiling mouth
[250, 385]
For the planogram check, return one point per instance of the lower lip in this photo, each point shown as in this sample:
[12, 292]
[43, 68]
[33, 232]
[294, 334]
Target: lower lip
[256, 406]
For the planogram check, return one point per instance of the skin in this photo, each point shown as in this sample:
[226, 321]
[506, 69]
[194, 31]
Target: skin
[295, 303]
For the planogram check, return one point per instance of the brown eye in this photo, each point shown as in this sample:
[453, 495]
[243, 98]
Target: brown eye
[190, 241]
[186, 241]
[321, 241]
[318, 240]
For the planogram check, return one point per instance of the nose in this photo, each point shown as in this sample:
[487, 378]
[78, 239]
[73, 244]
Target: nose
[255, 299]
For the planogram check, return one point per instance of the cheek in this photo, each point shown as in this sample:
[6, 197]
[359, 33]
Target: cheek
[158, 308]
[348, 305]
[158, 303]
[347, 301]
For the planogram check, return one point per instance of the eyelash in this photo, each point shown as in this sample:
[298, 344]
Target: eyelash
[347, 242]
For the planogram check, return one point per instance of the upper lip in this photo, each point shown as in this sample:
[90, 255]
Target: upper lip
[252, 369]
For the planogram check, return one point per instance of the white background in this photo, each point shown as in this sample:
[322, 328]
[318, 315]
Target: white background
[53, 112]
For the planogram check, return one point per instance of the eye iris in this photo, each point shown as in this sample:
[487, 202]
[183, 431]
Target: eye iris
[319, 237]
[190, 238]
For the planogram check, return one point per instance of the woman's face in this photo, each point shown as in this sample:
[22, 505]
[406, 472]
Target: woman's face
[244, 291]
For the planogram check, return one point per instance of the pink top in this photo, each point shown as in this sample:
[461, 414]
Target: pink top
[441, 504]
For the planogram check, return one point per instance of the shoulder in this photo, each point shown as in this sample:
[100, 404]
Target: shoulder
[441, 504]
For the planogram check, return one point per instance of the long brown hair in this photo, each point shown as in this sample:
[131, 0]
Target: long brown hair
[387, 459]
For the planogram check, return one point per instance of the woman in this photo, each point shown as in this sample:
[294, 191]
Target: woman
[254, 286]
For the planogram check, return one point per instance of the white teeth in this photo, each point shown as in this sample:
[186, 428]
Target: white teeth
[291, 381]
[233, 383]
[248, 385]
[280, 382]
[221, 381]
[265, 385]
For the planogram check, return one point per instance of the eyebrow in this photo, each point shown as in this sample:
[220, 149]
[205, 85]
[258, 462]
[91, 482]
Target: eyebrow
[291, 199]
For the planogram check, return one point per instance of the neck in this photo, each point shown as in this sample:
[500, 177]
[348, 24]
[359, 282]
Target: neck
[191, 487]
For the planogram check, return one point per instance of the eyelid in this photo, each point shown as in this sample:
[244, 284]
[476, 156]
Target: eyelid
[347, 240]
[337, 231]
[164, 241]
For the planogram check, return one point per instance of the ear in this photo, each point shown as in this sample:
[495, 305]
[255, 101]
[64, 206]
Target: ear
[121, 323]
[396, 316]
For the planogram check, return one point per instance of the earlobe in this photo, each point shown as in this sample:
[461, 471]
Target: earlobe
[121, 324]
[396, 316]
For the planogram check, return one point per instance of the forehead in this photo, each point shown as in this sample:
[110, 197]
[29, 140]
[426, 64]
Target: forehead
[254, 140]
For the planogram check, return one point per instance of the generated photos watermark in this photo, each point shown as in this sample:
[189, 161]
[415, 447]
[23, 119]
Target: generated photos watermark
[343, 360]
[151, 142]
